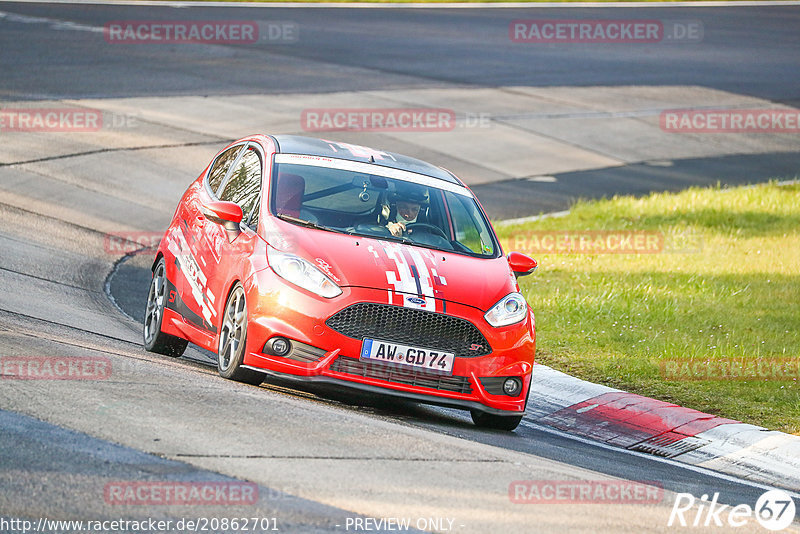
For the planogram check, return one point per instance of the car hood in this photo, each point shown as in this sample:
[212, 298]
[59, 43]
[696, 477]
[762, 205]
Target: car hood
[411, 276]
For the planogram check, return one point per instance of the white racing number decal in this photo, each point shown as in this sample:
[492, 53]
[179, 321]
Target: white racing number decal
[194, 275]
[438, 280]
[412, 280]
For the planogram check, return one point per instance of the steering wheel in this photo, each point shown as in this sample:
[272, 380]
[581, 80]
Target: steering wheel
[434, 229]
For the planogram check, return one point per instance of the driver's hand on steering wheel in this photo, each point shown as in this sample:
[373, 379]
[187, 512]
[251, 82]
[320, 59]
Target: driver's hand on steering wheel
[396, 228]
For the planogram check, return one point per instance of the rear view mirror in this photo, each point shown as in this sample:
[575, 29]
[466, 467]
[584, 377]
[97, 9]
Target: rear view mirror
[227, 214]
[521, 264]
[368, 181]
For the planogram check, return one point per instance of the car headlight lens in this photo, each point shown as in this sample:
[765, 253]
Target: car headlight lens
[509, 310]
[302, 273]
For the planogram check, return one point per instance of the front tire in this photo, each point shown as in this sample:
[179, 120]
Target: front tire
[232, 340]
[154, 339]
[496, 422]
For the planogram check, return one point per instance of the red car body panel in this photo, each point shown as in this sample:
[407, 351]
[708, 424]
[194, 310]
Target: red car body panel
[203, 264]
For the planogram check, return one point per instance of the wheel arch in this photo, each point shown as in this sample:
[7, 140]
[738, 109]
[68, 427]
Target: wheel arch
[159, 255]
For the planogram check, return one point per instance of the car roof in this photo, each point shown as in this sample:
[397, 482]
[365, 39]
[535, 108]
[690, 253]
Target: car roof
[296, 144]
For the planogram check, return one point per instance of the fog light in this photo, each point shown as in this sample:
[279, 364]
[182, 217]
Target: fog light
[512, 387]
[281, 346]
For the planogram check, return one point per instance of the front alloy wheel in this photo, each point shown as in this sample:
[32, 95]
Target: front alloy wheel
[154, 339]
[232, 337]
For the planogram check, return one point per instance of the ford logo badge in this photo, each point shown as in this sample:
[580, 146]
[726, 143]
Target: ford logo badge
[416, 300]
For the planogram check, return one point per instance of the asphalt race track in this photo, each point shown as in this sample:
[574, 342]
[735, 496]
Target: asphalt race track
[744, 57]
[748, 50]
[561, 121]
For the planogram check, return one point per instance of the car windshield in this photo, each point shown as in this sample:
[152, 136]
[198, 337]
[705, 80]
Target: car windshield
[384, 203]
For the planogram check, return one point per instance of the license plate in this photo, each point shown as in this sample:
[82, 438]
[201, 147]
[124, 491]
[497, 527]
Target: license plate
[417, 357]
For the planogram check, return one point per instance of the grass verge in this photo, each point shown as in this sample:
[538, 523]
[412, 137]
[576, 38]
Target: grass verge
[720, 289]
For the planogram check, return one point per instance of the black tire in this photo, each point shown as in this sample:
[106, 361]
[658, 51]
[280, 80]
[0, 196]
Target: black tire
[496, 422]
[232, 340]
[154, 339]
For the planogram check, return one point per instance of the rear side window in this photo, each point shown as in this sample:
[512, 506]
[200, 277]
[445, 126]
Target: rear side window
[220, 167]
[244, 185]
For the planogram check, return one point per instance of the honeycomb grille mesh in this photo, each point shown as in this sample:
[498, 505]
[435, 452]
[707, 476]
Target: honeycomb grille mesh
[410, 326]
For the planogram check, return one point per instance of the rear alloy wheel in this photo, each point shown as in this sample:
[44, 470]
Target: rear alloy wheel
[154, 339]
[232, 338]
[497, 422]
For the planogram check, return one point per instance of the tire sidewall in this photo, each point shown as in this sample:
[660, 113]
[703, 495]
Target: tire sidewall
[149, 346]
[236, 359]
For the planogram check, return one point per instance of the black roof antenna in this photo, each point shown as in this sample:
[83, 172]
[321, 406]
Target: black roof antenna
[372, 159]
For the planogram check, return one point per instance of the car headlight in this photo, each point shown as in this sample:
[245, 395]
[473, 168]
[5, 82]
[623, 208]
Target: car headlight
[302, 273]
[509, 310]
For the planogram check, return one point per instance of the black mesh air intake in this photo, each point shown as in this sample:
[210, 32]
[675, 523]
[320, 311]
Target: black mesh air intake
[410, 326]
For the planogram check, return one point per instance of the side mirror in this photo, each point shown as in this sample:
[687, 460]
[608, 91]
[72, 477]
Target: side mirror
[521, 264]
[228, 214]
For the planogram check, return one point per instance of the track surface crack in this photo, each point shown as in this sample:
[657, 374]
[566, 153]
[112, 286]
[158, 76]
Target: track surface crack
[111, 150]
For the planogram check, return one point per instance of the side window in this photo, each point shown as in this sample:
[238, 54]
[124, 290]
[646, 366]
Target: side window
[253, 221]
[468, 223]
[220, 167]
[244, 185]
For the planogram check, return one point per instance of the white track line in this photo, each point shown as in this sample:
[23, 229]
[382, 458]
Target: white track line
[522, 220]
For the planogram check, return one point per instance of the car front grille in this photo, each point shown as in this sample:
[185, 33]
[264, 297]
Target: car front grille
[410, 326]
[392, 373]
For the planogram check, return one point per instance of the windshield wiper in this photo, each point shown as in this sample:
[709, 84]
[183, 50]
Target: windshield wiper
[309, 224]
[400, 239]
[390, 237]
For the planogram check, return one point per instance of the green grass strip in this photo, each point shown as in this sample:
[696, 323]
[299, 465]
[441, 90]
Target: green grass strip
[720, 293]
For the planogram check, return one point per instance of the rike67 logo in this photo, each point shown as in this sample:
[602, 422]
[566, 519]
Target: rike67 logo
[774, 510]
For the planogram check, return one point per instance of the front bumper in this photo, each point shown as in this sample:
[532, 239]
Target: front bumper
[334, 357]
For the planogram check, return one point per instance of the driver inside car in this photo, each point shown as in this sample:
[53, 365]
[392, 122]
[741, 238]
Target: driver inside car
[409, 200]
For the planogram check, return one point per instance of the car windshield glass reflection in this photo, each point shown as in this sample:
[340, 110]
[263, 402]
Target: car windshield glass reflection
[381, 207]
